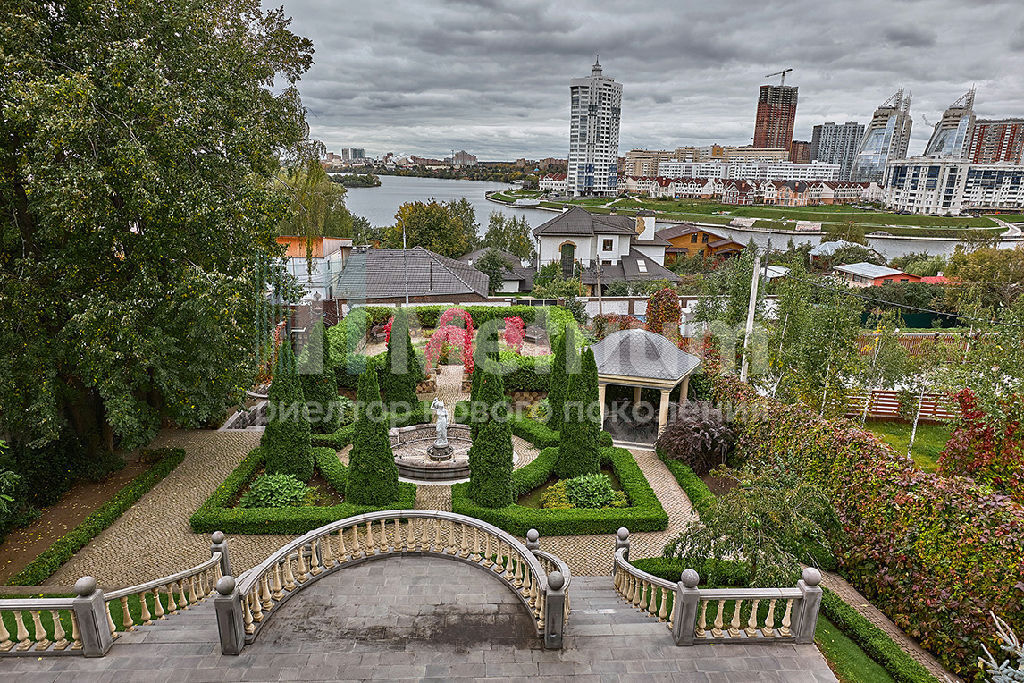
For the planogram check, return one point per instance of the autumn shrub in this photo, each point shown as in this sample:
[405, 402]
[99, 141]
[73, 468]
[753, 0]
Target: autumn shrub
[608, 323]
[935, 553]
[700, 437]
[664, 313]
[515, 333]
[990, 453]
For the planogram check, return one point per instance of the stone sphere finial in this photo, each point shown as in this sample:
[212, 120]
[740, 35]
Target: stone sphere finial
[556, 581]
[218, 537]
[690, 578]
[811, 576]
[532, 535]
[622, 533]
[85, 586]
[225, 585]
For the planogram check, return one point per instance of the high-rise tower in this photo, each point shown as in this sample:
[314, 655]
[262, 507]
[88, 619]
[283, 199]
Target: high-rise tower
[594, 134]
[776, 113]
[952, 134]
[833, 143]
[993, 141]
[887, 138]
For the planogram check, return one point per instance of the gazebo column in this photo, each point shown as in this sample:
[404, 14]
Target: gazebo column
[684, 391]
[600, 395]
[637, 393]
[663, 410]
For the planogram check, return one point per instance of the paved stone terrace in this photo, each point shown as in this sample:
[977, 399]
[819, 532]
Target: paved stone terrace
[425, 619]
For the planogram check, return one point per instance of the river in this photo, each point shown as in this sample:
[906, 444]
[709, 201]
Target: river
[379, 205]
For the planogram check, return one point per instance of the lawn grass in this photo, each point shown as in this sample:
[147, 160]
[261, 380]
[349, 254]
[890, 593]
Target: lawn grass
[928, 443]
[849, 663]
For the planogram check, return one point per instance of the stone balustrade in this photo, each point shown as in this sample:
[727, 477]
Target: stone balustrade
[85, 625]
[245, 603]
[720, 615]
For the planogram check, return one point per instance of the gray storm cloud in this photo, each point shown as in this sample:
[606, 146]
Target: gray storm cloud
[492, 77]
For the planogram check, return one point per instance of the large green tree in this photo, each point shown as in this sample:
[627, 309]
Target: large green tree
[445, 228]
[558, 380]
[138, 142]
[372, 473]
[509, 233]
[578, 451]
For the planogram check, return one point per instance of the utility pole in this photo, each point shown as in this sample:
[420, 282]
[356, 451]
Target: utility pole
[754, 281]
[405, 262]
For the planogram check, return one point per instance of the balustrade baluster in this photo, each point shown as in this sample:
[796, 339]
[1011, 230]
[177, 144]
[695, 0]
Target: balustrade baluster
[643, 594]
[250, 627]
[476, 545]
[519, 572]
[158, 605]
[652, 607]
[356, 548]
[487, 549]
[254, 605]
[751, 628]
[534, 593]
[464, 548]
[264, 592]
[76, 637]
[702, 622]
[42, 642]
[5, 637]
[144, 614]
[540, 612]
[303, 571]
[110, 621]
[182, 596]
[126, 615]
[734, 629]
[717, 630]
[276, 586]
[638, 594]
[769, 623]
[193, 598]
[526, 579]
[314, 559]
[289, 578]
[784, 631]
[342, 550]
[663, 610]
[60, 641]
[23, 640]
[396, 529]
[385, 546]
[371, 543]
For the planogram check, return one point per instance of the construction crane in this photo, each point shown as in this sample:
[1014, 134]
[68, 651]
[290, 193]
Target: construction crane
[780, 73]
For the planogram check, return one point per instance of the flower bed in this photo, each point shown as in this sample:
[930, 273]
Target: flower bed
[644, 514]
[934, 553]
[217, 515]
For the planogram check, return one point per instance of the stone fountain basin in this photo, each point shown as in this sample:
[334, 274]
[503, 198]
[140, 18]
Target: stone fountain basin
[410, 444]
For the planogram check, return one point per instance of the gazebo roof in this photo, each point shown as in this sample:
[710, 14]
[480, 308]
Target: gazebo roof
[643, 355]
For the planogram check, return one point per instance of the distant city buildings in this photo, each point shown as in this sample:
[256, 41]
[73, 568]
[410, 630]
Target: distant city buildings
[353, 153]
[833, 143]
[776, 113]
[461, 159]
[952, 134]
[552, 182]
[596, 101]
[887, 138]
[993, 141]
[647, 161]
[950, 186]
[751, 170]
[800, 152]
[741, 191]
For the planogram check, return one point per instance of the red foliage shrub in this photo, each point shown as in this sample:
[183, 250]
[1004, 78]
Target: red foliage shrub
[990, 453]
[515, 333]
[606, 324]
[664, 313]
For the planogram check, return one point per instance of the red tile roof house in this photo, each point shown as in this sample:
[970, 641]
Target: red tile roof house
[869, 275]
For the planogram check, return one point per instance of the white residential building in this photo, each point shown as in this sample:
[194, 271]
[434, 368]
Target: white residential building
[552, 182]
[833, 143]
[950, 186]
[754, 170]
[594, 135]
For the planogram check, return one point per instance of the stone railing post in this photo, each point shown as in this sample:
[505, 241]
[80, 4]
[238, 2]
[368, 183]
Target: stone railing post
[621, 541]
[533, 540]
[554, 611]
[684, 612]
[807, 616]
[90, 609]
[230, 626]
[220, 545]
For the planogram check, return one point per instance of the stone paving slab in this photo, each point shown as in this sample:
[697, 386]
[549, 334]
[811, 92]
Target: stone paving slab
[468, 625]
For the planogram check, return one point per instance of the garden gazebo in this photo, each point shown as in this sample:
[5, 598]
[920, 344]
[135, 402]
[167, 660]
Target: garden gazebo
[642, 360]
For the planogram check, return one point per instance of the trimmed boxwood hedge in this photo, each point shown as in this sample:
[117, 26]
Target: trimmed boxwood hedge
[693, 486]
[644, 514]
[537, 433]
[51, 559]
[215, 515]
[343, 437]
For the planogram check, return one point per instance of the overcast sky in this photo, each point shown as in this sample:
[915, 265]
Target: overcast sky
[492, 76]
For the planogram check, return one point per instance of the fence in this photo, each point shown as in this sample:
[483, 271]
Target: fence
[888, 405]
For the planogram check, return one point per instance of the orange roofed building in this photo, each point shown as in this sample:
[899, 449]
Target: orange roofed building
[688, 239]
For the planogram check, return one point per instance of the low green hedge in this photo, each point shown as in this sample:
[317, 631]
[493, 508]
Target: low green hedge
[693, 486]
[875, 642]
[644, 514]
[726, 572]
[343, 437]
[51, 559]
[537, 433]
[215, 515]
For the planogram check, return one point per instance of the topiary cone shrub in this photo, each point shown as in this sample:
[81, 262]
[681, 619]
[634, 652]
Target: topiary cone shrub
[319, 383]
[372, 473]
[490, 457]
[559, 380]
[402, 370]
[578, 452]
[286, 438]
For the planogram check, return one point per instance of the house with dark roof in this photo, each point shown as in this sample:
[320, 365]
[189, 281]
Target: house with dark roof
[688, 239]
[518, 278]
[608, 248]
[389, 275]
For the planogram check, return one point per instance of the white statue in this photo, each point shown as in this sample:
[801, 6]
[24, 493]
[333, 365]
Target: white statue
[442, 423]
